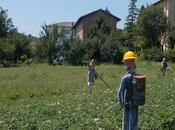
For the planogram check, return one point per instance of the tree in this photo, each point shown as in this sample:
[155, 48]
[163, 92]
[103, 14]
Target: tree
[152, 24]
[130, 23]
[6, 25]
[99, 28]
[13, 44]
[76, 52]
[107, 10]
[6, 50]
[111, 49]
[51, 40]
[22, 45]
[102, 43]
[96, 38]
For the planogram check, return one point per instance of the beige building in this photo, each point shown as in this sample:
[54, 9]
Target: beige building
[66, 26]
[169, 9]
[84, 23]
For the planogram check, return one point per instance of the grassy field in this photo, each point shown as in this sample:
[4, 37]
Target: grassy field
[42, 97]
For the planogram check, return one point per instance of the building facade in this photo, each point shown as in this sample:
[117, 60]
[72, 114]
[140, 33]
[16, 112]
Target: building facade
[66, 26]
[84, 23]
[169, 9]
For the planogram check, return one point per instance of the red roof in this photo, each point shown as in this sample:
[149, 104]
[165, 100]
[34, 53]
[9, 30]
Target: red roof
[82, 17]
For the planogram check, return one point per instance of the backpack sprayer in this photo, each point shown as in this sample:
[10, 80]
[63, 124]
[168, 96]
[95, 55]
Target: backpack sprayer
[138, 88]
[139, 82]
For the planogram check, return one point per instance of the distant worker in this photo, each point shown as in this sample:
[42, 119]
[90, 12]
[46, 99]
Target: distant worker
[61, 59]
[91, 75]
[125, 92]
[164, 66]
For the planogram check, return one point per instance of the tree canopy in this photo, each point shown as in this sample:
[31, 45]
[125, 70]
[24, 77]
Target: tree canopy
[152, 24]
[6, 25]
[130, 24]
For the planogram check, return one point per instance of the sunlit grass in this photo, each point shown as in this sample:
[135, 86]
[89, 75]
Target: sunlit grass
[55, 97]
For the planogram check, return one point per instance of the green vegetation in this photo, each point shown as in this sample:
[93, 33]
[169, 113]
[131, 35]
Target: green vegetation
[13, 44]
[157, 55]
[152, 24]
[171, 32]
[147, 28]
[55, 97]
[50, 41]
[45, 97]
[130, 24]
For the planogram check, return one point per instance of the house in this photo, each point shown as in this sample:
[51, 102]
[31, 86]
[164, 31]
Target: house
[169, 9]
[84, 23]
[66, 26]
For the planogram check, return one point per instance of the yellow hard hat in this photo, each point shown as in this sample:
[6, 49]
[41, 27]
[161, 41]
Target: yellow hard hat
[129, 55]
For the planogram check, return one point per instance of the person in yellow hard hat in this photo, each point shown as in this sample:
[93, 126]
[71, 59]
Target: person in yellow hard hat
[125, 92]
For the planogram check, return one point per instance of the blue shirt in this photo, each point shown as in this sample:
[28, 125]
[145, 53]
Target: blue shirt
[125, 84]
[91, 74]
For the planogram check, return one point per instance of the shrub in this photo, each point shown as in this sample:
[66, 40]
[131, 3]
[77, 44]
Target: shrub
[104, 50]
[152, 54]
[92, 49]
[118, 56]
[171, 55]
[24, 57]
[76, 53]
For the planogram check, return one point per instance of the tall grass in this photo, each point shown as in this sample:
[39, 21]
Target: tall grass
[55, 97]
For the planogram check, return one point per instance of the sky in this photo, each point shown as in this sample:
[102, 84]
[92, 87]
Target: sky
[29, 15]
